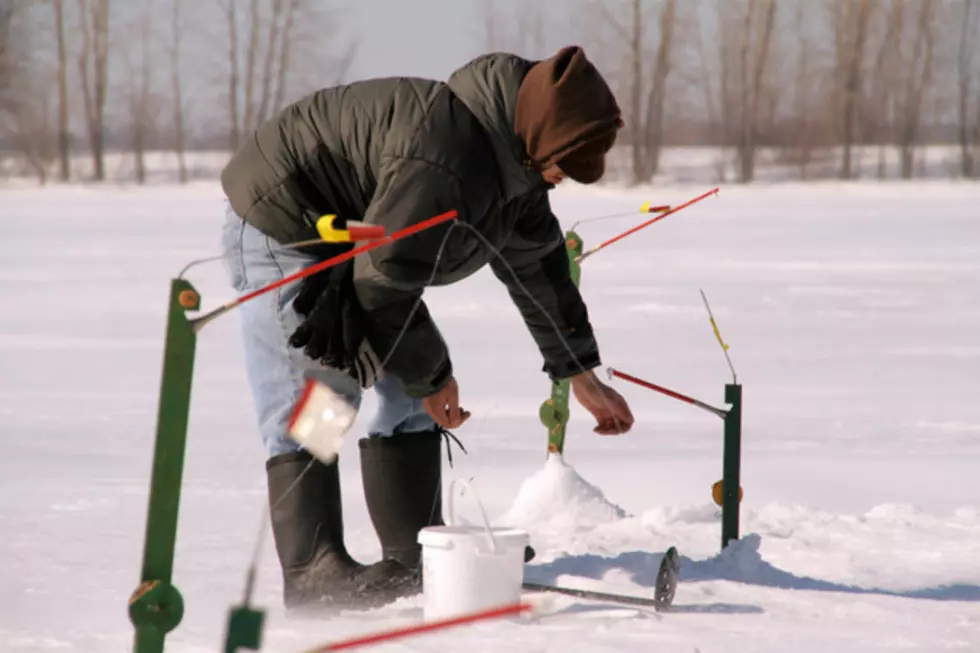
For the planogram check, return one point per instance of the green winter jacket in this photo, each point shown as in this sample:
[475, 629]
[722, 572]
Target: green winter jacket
[397, 151]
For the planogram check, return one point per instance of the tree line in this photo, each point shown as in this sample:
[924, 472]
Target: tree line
[810, 80]
[816, 84]
[146, 75]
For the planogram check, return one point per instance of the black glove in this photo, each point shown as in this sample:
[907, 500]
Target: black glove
[335, 330]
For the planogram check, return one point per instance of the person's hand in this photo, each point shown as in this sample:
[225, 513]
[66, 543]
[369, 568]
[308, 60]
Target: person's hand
[443, 406]
[611, 412]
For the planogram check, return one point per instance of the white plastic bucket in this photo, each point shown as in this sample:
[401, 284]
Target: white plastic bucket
[467, 569]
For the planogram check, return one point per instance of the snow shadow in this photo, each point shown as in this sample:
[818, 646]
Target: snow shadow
[740, 562]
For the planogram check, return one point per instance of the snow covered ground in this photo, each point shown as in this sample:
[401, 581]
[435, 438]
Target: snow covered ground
[853, 315]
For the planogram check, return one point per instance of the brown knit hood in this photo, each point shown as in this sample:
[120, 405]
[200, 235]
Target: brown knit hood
[566, 114]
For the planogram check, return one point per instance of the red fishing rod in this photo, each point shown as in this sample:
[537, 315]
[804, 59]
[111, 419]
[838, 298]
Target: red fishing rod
[198, 323]
[427, 627]
[659, 209]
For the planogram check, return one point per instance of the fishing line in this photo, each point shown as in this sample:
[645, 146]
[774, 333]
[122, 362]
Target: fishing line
[599, 218]
[253, 250]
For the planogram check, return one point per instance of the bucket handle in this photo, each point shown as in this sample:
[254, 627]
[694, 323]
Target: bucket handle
[483, 513]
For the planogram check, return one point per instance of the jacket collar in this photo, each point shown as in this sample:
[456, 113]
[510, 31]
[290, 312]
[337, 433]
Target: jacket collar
[488, 87]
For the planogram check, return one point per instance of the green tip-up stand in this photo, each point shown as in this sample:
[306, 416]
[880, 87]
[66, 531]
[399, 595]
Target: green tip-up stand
[156, 607]
[554, 411]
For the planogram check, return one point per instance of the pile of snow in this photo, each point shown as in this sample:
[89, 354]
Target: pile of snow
[557, 498]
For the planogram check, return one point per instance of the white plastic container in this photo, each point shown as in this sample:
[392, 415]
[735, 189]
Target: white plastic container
[467, 569]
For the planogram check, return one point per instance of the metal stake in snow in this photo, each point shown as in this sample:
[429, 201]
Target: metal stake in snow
[156, 606]
[727, 492]
[729, 487]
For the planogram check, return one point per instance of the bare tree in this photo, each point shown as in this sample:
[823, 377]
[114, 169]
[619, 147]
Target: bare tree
[652, 134]
[976, 129]
[917, 75]
[277, 63]
[637, 56]
[271, 52]
[966, 66]
[25, 125]
[259, 86]
[231, 19]
[716, 85]
[884, 82]
[93, 65]
[251, 54]
[851, 36]
[976, 126]
[8, 56]
[11, 62]
[714, 73]
[140, 81]
[320, 50]
[727, 22]
[180, 134]
[311, 63]
[703, 75]
[646, 87]
[803, 82]
[754, 55]
[284, 57]
[24, 91]
[64, 130]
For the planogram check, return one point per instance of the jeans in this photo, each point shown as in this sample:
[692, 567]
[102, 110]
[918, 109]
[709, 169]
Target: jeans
[276, 371]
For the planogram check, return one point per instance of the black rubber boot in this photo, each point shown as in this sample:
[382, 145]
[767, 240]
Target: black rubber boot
[307, 524]
[402, 476]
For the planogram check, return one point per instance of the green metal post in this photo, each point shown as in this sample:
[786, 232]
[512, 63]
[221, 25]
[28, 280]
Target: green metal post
[731, 483]
[156, 607]
[554, 412]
